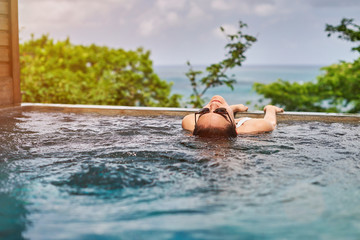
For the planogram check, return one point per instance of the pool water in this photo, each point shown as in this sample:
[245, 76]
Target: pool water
[87, 176]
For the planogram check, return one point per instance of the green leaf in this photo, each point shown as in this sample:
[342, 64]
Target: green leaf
[215, 74]
[61, 72]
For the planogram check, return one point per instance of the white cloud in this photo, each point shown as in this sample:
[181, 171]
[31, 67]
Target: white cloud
[243, 8]
[163, 24]
[334, 3]
[146, 28]
[165, 5]
[164, 15]
[195, 11]
[64, 13]
[152, 21]
[172, 17]
[220, 5]
[265, 9]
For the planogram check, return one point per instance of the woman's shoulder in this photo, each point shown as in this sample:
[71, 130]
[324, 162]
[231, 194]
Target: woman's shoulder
[188, 122]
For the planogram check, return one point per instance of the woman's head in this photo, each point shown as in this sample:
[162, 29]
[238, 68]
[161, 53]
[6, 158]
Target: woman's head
[215, 119]
[226, 131]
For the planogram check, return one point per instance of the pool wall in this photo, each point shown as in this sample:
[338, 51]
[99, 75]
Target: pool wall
[157, 111]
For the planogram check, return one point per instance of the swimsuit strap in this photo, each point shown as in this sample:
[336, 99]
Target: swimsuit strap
[242, 121]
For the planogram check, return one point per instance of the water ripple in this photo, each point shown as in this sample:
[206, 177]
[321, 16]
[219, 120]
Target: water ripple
[123, 174]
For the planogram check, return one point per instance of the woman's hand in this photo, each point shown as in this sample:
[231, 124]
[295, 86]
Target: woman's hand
[239, 108]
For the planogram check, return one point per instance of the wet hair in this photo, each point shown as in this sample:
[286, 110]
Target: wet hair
[228, 131]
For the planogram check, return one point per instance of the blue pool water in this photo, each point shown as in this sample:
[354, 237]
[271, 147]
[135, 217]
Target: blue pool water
[85, 176]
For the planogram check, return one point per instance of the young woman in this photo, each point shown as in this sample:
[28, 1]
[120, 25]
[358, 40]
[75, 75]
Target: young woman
[217, 119]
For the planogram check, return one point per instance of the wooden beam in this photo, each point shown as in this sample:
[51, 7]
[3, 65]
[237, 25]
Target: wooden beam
[4, 7]
[4, 38]
[4, 54]
[6, 96]
[4, 70]
[4, 22]
[14, 43]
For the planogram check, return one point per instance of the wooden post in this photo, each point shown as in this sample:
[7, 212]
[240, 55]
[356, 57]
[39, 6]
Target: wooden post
[9, 54]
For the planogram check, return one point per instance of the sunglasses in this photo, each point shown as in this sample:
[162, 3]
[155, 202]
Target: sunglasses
[222, 111]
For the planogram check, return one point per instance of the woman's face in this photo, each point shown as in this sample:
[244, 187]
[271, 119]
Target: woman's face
[215, 120]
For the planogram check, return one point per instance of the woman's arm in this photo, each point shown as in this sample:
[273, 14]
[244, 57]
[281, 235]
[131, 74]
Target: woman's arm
[261, 125]
[239, 108]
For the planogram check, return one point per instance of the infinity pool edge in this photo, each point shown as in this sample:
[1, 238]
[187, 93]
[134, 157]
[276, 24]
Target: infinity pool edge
[166, 111]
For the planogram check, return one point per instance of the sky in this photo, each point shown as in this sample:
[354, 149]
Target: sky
[289, 32]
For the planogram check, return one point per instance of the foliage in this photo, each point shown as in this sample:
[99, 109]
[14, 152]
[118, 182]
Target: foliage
[60, 72]
[347, 30]
[216, 73]
[337, 90]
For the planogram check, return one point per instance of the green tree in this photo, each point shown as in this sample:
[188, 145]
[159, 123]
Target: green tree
[347, 30]
[337, 90]
[61, 72]
[216, 73]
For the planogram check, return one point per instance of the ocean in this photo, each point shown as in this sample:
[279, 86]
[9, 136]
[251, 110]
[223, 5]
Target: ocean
[245, 76]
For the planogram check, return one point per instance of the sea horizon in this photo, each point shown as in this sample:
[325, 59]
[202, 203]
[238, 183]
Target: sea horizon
[245, 76]
[245, 65]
